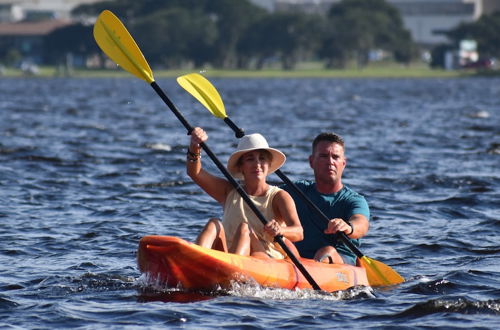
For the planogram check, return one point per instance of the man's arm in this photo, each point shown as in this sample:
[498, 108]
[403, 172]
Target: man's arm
[356, 227]
[359, 224]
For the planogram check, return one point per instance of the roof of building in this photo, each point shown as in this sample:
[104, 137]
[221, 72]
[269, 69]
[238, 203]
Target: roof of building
[31, 28]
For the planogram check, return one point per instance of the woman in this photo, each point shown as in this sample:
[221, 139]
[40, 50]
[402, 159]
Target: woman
[241, 232]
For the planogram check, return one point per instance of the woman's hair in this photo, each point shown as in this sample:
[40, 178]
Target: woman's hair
[266, 153]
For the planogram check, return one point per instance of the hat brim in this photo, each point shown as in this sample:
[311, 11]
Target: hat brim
[278, 159]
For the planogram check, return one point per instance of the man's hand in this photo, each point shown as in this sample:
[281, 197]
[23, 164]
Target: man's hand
[336, 225]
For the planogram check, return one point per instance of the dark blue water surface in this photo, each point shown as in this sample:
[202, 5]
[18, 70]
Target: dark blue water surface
[89, 166]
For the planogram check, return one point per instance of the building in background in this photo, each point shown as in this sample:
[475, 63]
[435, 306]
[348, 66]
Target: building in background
[484, 7]
[427, 20]
[25, 23]
[30, 10]
[26, 39]
[307, 6]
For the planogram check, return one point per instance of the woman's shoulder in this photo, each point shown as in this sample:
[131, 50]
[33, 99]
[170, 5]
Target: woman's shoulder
[277, 193]
[273, 189]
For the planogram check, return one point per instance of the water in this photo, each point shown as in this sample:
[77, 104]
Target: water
[89, 166]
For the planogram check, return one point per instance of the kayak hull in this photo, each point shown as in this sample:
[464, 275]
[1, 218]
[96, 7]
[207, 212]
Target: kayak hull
[174, 262]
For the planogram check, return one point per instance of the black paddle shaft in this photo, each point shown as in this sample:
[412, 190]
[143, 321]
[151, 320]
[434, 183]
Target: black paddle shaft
[239, 189]
[240, 133]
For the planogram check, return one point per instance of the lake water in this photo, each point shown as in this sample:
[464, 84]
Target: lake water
[89, 166]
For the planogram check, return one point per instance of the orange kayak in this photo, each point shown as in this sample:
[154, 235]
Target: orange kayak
[174, 262]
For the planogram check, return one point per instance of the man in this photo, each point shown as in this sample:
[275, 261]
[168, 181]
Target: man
[347, 210]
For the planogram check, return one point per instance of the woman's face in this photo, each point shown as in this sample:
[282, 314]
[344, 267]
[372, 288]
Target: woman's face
[255, 164]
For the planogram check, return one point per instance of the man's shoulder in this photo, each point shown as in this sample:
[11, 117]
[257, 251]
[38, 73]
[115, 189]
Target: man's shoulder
[356, 201]
[305, 186]
[304, 183]
[348, 192]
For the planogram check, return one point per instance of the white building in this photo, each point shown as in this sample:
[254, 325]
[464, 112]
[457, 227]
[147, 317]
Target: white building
[16, 10]
[427, 20]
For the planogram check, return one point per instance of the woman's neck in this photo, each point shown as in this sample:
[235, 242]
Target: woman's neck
[256, 188]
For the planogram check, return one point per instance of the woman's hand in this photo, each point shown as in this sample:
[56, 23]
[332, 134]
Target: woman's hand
[273, 228]
[198, 135]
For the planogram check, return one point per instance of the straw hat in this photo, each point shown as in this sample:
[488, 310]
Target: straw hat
[249, 143]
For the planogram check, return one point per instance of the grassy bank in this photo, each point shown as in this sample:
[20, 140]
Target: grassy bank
[305, 70]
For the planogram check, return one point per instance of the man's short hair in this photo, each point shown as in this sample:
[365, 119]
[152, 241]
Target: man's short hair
[329, 137]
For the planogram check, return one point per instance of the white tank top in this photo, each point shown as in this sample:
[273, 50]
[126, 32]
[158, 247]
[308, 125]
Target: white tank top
[237, 211]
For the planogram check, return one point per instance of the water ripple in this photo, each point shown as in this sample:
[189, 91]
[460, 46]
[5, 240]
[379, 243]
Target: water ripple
[89, 166]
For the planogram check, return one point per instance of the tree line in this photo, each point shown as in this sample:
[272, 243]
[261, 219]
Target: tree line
[237, 34]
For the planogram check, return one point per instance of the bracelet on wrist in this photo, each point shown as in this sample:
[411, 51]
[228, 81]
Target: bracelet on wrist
[193, 154]
[352, 229]
[192, 157]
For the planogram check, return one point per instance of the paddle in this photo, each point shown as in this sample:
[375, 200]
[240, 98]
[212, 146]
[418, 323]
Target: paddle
[116, 42]
[377, 272]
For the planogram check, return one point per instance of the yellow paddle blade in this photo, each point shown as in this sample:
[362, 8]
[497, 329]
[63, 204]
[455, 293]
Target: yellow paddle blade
[378, 273]
[198, 86]
[116, 42]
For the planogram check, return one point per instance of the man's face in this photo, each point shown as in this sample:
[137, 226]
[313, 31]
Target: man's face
[328, 162]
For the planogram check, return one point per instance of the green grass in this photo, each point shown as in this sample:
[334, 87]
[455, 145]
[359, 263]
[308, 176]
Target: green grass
[303, 70]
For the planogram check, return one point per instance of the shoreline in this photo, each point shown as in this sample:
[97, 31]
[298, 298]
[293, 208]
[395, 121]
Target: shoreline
[368, 72]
